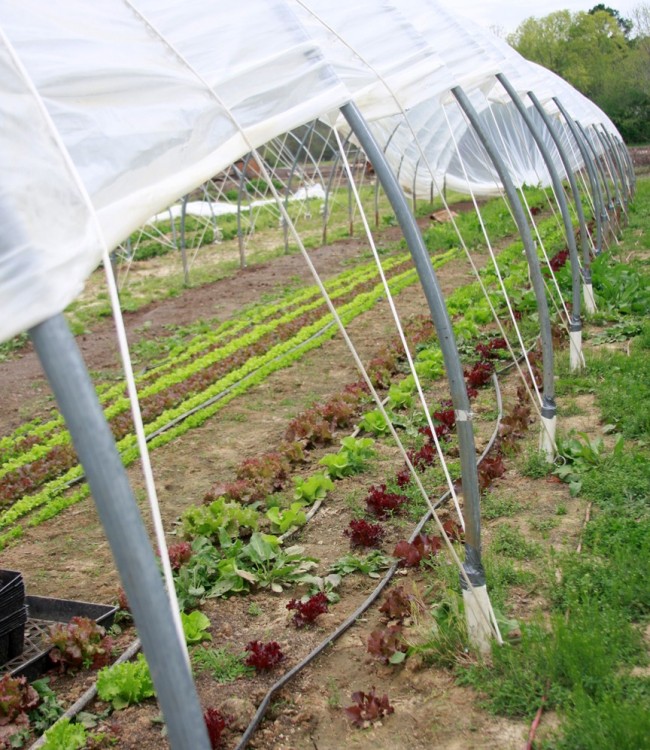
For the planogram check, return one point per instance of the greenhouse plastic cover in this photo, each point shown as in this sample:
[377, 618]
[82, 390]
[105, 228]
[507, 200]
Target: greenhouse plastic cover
[113, 109]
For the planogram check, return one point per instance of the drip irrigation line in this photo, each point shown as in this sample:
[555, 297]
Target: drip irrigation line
[346, 624]
[135, 645]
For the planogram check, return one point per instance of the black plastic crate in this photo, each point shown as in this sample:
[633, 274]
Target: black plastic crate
[17, 618]
[12, 592]
[12, 644]
[42, 613]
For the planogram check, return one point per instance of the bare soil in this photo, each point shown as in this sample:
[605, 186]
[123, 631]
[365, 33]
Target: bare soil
[69, 557]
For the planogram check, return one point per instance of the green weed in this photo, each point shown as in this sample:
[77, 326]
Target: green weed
[509, 541]
[535, 465]
[580, 655]
[223, 665]
[614, 720]
[543, 525]
[493, 506]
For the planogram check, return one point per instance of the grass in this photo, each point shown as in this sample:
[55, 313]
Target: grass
[577, 656]
[223, 665]
[495, 506]
[543, 525]
[534, 465]
[9, 348]
[511, 542]
[581, 656]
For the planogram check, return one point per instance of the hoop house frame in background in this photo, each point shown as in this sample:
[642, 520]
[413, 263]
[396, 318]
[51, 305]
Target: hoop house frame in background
[228, 100]
[549, 408]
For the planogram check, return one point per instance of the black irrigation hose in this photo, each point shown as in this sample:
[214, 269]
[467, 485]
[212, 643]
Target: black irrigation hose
[134, 646]
[346, 624]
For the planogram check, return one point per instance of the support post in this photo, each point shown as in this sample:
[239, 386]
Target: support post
[613, 172]
[575, 321]
[186, 270]
[118, 511]
[549, 409]
[240, 231]
[619, 185]
[625, 154]
[473, 566]
[585, 243]
[600, 212]
[611, 208]
[616, 160]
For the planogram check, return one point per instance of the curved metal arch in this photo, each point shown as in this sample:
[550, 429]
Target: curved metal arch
[473, 565]
[600, 212]
[601, 172]
[584, 237]
[549, 408]
[575, 324]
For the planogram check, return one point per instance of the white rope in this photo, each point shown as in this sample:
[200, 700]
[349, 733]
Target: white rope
[126, 360]
[501, 285]
[400, 330]
[489, 617]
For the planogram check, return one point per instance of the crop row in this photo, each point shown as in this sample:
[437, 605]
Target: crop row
[31, 440]
[50, 498]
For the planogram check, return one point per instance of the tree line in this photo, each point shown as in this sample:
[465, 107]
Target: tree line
[602, 54]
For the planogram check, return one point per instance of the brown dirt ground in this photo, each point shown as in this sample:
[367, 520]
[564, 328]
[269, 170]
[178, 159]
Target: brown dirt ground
[69, 557]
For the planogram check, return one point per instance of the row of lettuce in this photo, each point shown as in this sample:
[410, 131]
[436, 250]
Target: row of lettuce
[194, 383]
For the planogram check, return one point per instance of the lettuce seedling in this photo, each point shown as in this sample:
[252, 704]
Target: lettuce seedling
[369, 707]
[263, 656]
[195, 627]
[124, 684]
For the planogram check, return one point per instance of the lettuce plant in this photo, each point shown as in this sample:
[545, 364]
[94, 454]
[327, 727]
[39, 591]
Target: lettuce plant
[125, 684]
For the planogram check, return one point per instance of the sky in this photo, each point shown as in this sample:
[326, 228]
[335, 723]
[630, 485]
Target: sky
[508, 14]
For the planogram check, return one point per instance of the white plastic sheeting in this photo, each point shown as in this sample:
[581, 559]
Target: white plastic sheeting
[114, 109]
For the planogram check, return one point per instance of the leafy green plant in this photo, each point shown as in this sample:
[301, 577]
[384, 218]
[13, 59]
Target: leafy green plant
[195, 627]
[48, 710]
[262, 562]
[619, 287]
[327, 585]
[125, 684]
[266, 563]
[369, 565]
[218, 517]
[223, 665]
[374, 423]
[194, 579]
[351, 458]
[283, 520]
[400, 395]
[65, 735]
[313, 488]
[579, 457]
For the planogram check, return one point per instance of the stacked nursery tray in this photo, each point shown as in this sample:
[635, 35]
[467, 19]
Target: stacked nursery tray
[25, 652]
[13, 615]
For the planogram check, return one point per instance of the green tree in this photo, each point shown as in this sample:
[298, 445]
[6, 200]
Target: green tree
[624, 24]
[602, 54]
